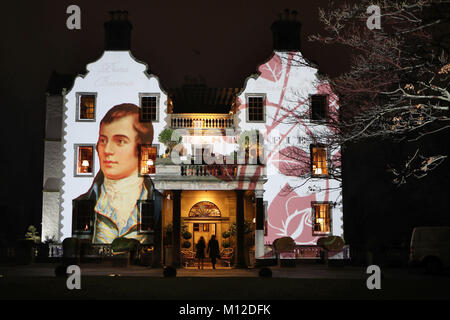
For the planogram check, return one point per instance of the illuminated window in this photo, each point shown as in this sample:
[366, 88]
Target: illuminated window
[86, 106]
[321, 216]
[83, 211]
[319, 106]
[319, 161]
[255, 110]
[84, 160]
[149, 107]
[147, 159]
[147, 221]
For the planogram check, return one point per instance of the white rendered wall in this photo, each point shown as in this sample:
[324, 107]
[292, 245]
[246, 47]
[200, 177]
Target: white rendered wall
[51, 187]
[115, 78]
[289, 214]
[50, 215]
[52, 167]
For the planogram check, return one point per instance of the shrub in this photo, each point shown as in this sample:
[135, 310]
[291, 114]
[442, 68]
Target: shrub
[32, 234]
[165, 137]
[187, 235]
[186, 244]
[122, 244]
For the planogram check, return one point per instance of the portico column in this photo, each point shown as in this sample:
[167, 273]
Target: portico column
[260, 219]
[176, 227]
[240, 246]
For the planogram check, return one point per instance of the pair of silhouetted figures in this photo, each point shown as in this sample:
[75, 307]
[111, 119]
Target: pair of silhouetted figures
[212, 250]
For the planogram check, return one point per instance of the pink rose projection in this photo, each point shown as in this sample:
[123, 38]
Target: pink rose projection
[292, 219]
[272, 70]
[291, 161]
[288, 214]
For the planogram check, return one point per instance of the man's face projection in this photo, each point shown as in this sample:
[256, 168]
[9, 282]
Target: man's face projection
[117, 148]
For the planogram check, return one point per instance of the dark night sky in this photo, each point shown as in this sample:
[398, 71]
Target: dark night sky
[223, 41]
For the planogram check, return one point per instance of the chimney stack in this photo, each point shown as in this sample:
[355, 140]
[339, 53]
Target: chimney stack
[286, 32]
[118, 31]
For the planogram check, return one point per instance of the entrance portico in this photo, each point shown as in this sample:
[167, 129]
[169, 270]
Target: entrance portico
[207, 205]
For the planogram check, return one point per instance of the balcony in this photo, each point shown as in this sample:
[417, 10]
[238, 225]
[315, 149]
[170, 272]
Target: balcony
[170, 176]
[201, 121]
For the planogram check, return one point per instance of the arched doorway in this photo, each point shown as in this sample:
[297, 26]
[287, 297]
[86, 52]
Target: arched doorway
[204, 216]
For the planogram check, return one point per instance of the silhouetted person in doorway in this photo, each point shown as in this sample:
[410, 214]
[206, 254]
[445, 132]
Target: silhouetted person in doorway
[200, 255]
[213, 250]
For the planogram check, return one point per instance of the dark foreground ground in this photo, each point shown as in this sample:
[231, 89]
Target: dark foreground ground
[308, 282]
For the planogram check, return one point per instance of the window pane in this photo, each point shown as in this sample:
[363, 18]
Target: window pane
[319, 161]
[85, 159]
[147, 216]
[322, 222]
[87, 107]
[318, 107]
[83, 211]
[147, 159]
[255, 109]
[148, 111]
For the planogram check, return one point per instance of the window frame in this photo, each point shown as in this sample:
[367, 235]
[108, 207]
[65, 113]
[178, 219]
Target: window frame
[75, 160]
[75, 215]
[311, 160]
[319, 233]
[143, 95]
[327, 104]
[247, 110]
[139, 204]
[155, 145]
[78, 96]
[266, 227]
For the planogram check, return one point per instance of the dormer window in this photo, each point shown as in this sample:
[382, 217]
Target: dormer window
[319, 107]
[86, 103]
[256, 108]
[149, 107]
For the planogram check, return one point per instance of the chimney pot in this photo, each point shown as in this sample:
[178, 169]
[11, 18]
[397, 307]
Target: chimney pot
[286, 32]
[118, 31]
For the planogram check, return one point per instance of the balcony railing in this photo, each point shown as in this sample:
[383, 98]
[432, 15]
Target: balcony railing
[166, 169]
[201, 121]
[209, 170]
